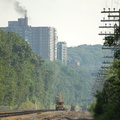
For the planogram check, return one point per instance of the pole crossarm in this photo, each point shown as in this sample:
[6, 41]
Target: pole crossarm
[110, 20]
[110, 34]
[106, 26]
[113, 16]
[110, 11]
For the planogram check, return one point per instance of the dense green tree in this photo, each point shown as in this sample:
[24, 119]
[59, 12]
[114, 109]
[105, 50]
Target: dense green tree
[21, 71]
[108, 100]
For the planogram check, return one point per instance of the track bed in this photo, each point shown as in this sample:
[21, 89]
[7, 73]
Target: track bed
[52, 115]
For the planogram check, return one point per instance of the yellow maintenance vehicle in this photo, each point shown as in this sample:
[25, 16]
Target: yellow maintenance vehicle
[59, 103]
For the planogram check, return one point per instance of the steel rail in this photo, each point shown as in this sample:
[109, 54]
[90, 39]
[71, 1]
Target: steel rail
[8, 114]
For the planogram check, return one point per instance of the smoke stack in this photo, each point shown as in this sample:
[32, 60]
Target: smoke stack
[25, 14]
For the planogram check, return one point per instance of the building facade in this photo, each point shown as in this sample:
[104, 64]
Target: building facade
[43, 40]
[62, 52]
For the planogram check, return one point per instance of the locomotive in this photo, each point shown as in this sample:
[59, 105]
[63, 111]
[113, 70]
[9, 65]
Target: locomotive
[59, 103]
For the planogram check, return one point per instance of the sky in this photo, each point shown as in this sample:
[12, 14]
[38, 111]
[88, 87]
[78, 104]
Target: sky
[76, 21]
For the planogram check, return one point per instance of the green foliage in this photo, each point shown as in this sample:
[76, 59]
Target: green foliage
[21, 71]
[74, 82]
[27, 105]
[91, 107]
[109, 41]
[69, 81]
[25, 79]
[108, 100]
[112, 40]
[117, 54]
[89, 56]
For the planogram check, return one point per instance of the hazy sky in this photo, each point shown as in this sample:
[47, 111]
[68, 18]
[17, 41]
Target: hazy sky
[77, 21]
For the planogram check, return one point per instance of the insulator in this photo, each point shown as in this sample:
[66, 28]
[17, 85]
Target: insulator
[115, 25]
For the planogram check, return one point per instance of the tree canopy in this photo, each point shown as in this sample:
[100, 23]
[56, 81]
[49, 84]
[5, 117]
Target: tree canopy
[108, 100]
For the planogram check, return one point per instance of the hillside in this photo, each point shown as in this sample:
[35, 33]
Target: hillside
[74, 81]
[21, 73]
[89, 56]
[27, 81]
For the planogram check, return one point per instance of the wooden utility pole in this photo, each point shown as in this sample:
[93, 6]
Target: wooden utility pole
[113, 18]
[111, 26]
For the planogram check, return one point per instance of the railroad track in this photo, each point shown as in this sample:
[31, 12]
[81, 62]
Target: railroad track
[9, 114]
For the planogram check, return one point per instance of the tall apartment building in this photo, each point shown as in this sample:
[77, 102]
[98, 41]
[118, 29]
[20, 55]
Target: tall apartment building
[62, 52]
[43, 40]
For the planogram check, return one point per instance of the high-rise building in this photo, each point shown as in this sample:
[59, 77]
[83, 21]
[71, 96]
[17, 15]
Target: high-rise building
[62, 52]
[43, 40]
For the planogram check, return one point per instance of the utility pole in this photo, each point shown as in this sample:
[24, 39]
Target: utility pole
[113, 19]
[111, 30]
